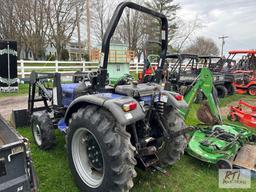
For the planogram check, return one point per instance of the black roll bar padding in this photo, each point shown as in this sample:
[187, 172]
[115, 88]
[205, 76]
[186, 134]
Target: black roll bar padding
[111, 29]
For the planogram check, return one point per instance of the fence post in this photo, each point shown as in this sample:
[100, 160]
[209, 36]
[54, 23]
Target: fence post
[56, 66]
[83, 65]
[137, 67]
[22, 68]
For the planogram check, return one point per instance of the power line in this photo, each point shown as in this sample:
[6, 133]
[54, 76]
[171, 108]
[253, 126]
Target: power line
[222, 43]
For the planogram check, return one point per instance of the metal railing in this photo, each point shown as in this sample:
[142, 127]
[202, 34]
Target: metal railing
[25, 67]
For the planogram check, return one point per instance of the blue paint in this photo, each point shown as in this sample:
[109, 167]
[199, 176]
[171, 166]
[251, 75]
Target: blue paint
[109, 95]
[147, 100]
[62, 125]
[68, 93]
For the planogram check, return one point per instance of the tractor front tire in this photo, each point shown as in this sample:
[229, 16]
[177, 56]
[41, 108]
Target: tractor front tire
[100, 154]
[171, 150]
[222, 91]
[43, 130]
[252, 90]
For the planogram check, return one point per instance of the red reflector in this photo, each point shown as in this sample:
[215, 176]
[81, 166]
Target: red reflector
[129, 106]
[178, 97]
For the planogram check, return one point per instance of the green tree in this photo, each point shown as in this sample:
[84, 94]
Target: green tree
[168, 8]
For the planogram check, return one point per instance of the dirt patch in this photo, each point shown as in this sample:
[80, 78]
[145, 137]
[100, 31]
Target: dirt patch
[7, 104]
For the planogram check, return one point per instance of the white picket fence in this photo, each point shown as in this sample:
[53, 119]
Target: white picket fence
[25, 67]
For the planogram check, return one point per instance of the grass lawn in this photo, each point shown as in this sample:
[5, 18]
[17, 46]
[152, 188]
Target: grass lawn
[186, 175]
[23, 90]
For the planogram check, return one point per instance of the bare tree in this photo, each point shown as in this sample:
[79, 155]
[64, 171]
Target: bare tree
[26, 22]
[62, 20]
[31, 23]
[101, 12]
[185, 32]
[203, 46]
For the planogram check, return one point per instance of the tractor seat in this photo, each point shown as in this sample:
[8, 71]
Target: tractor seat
[137, 90]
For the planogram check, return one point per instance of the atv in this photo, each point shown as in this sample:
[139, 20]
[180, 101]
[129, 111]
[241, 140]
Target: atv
[110, 130]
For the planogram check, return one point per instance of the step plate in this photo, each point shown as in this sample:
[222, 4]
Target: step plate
[246, 157]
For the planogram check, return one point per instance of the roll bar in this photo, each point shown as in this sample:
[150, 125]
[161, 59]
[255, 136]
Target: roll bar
[111, 29]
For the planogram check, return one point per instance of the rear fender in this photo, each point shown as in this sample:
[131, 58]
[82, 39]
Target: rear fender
[172, 101]
[112, 105]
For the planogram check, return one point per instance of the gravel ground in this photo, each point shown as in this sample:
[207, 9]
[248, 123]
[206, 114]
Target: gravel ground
[7, 104]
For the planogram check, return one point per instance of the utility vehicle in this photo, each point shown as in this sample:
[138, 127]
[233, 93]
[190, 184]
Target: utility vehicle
[246, 66]
[212, 63]
[110, 129]
[184, 69]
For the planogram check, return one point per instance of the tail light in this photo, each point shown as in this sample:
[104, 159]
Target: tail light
[129, 106]
[179, 97]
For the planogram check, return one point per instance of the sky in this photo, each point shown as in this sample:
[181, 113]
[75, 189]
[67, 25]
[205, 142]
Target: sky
[233, 18]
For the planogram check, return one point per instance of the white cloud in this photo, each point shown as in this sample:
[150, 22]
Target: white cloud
[234, 18]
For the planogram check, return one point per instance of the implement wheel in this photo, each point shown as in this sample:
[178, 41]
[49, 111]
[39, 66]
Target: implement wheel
[100, 154]
[252, 90]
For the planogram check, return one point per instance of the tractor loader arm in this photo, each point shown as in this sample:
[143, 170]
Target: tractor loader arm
[209, 112]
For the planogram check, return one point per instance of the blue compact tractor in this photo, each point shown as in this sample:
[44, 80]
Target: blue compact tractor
[108, 129]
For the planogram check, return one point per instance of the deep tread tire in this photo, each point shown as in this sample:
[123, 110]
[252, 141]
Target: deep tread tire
[117, 150]
[252, 90]
[173, 149]
[44, 122]
[222, 91]
[231, 89]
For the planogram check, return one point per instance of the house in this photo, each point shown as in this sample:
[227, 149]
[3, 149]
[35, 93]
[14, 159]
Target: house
[72, 48]
[75, 54]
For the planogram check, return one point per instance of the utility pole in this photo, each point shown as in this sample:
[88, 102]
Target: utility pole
[78, 32]
[222, 43]
[88, 15]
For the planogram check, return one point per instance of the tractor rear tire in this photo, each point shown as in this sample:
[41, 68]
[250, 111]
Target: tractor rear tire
[222, 91]
[43, 130]
[252, 90]
[172, 149]
[100, 154]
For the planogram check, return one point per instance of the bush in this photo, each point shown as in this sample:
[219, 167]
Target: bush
[64, 55]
